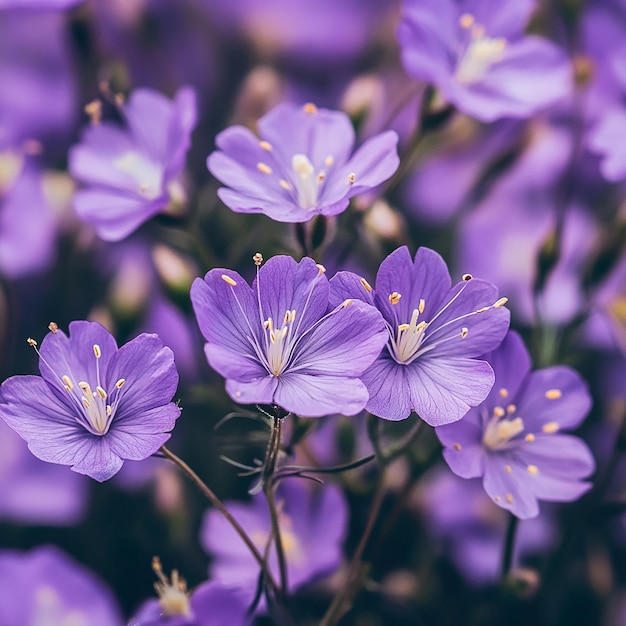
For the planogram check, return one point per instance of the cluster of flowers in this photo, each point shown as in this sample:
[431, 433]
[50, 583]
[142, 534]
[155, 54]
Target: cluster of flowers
[384, 332]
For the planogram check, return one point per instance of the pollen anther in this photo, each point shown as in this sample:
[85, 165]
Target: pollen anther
[120, 383]
[366, 285]
[553, 394]
[394, 297]
[265, 145]
[500, 303]
[229, 280]
[263, 168]
[550, 428]
[532, 469]
[96, 350]
[466, 277]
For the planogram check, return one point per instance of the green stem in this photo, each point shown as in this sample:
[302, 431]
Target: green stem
[509, 547]
[218, 504]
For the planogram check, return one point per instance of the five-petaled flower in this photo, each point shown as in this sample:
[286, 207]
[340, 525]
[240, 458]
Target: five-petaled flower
[94, 405]
[132, 172]
[279, 342]
[475, 52]
[435, 331]
[513, 438]
[301, 166]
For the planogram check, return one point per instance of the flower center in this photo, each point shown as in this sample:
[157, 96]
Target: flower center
[48, 610]
[481, 52]
[279, 342]
[410, 336]
[502, 427]
[147, 173]
[173, 596]
[96, 406]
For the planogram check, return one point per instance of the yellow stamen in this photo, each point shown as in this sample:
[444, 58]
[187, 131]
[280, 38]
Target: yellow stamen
[258, 259]
[550, 428]
[229, 280]
[530, 437]
[457, 447]
[464, 332]
[284, 184]
[532, 469]
[263, 168]
[394, 297]
[96, 350]
[503, 392]
[500, 303]
[553, 394]
[120, 383]
[310, 108]
[509, 498]
[67, 382]
[508, 469]
[351, 178]
[265, 145]
[53, 327]
[466, 20]
[366, 285]
[466, 277]
[328, 161]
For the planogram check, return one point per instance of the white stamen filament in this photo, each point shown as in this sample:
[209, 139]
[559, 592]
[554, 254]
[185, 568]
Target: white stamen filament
[305, 179]
[480, 54]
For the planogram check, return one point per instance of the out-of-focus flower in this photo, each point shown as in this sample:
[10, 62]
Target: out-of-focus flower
[38, 4]
[210, 604]
[503, 246]
[131, 173]
[471, 528]
[28, 227]
[313, 524]
[37, 99]
[301, 166]
[94, 404]
[35, 493]
[513, 439]
[278, 342]
[45, 586]
[309, 33]
[435, 331]
[475, 52]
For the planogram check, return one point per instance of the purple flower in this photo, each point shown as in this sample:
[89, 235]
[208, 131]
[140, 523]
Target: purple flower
[475, 52]
[94, 405]
[28, 227]
[313, 524]
[45, 586]
[131, 173]
[435, 331]
[38, 4]
[513, 439]
[210, 604]
[36, 493]
[278, 342]
[461, 516]
[302, 165]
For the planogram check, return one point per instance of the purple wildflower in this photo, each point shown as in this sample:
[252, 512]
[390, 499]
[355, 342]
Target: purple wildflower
[94, 405]
[131, 173]
[471, 527]
[435, 331]
[512, 440]
[38, 4]
[302, 165]
[45, 586]
[313, 524]
[210, 604]
[475, 52]
[36, 493]
[278, 342]
[28, 227]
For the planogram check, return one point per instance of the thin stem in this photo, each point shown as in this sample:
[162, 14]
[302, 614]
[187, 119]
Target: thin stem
[349, 590]
[217, 503]
[271, 461]
[509, 547]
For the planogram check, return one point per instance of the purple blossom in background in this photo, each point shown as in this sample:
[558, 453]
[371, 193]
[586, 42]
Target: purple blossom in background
[210, 604]
[301, 166]
[38, 4]
[94, 405]
[45, 587]
[32, 492]
[131, 173]
[471, 528]
[28, 226]
[37, 99]
[278, 342]
[475, 52]
[513, 439]
[435, 331]
[313, 523]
